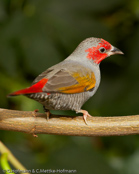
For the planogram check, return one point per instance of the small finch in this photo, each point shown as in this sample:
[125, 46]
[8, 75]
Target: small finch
[70, 83]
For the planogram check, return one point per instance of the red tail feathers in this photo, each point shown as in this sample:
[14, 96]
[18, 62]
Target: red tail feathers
[33, 89]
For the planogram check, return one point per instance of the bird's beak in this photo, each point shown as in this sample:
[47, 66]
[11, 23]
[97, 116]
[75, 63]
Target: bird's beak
[115, 50]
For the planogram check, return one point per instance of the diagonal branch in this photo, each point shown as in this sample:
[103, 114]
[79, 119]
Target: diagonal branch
[36, 123]
[11, 158]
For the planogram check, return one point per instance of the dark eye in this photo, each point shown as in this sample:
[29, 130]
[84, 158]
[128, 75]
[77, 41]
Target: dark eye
[102, 50]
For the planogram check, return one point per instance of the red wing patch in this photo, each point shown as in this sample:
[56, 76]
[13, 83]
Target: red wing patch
[33, 89]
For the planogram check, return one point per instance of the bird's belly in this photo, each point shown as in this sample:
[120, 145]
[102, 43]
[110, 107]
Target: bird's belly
[59, 101]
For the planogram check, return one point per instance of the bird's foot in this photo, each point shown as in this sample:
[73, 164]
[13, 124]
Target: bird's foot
[85, 115]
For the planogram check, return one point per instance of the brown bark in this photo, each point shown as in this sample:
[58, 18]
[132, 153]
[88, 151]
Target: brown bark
[36, 123]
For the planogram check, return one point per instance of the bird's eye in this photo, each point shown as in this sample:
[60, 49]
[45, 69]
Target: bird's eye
[102, 50]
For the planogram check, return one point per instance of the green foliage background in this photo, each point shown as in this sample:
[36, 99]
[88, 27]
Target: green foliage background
[35, 35]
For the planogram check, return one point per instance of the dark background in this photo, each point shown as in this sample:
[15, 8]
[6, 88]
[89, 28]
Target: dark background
[35, 35]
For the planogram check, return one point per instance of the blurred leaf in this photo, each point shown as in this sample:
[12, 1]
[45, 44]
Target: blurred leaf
[131, 165]
[4, 164]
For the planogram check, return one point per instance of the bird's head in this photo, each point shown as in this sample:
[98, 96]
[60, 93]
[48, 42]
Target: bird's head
[96, 49]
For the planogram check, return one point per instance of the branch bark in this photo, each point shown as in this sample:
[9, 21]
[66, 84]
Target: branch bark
[36, 123]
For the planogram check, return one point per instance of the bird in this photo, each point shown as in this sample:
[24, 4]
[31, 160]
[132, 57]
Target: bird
[70, 83]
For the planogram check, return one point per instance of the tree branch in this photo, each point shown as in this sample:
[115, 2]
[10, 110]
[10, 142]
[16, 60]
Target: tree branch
[36, 123]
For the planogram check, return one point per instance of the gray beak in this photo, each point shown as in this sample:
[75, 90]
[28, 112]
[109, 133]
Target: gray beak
[115, 50]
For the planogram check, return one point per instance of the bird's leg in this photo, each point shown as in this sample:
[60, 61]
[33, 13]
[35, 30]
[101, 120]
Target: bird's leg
[85, 114]
[47, 112]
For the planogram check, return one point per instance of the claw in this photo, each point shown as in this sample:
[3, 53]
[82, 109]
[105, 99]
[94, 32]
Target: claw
[85, 115]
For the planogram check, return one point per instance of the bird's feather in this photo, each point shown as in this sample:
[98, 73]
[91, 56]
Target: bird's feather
[70, 82]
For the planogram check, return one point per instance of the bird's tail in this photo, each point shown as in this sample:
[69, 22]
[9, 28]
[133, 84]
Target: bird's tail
[20, 92]
[32, 89]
